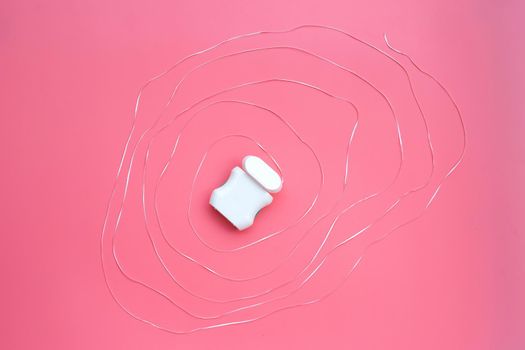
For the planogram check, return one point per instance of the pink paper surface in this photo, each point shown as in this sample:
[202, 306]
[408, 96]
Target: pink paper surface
[71, 71]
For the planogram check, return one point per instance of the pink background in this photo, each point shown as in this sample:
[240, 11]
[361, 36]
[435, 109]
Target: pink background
[71, 71]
